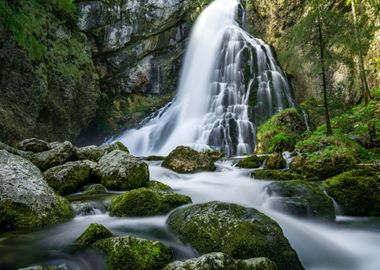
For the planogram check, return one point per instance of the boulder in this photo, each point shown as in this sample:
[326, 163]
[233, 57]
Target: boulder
[132, 253]
[251, 162]
[275, 162]
[69, 177]
[221, 261]
[119, 170]
[59, 154]
[95, 189]
[26, 200]
[93, 233]
[152, 184]
[95, 153]
[276, 175]
[240, 232]
[357, 192]
[183, 159]
[146, 202]
[33, 145]
[300, 198]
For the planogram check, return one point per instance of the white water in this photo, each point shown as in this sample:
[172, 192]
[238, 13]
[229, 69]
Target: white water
[225, 69]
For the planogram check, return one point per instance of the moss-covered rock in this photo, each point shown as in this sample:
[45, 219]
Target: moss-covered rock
[93, 233]
[276, 175]
[156, 185]
[95, 153]
[251, 162]
[300, 198]
[221, 261]
[234, 230]
[214, 154]
[146, 202]
[95, 189]
[26, 200]
[275, 162]
[33, 145]
[154, 158]
[119, 170]
[357, 192]
[132, 253]
[69, 177]
[186, 160]
[281, 132]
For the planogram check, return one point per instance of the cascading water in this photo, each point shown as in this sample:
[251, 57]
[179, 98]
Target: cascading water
[230, 81]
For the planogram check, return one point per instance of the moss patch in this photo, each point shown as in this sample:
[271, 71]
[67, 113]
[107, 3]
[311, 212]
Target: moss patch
[93, 233]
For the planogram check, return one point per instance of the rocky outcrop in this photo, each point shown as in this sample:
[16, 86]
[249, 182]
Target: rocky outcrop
[25, 198]
[232, 229]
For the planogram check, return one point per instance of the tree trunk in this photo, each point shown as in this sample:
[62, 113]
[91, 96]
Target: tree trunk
[324, 84]
[366, 94]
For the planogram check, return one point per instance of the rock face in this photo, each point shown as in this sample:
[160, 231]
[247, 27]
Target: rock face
[357, 192]
[93, 233]
[186, 160]
[132, 253]
[119, 170]
[25, 198]
[300, 198]
[146, 202]
[221, 261]
[239, 232]
[69, 177]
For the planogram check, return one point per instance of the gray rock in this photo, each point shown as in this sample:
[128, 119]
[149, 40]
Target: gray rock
[94, 153]
[69, 177]
[26, 200]
[33, 145]
[87, 208]
[119, 170]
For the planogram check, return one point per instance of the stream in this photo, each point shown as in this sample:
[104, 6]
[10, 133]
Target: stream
[348, 243]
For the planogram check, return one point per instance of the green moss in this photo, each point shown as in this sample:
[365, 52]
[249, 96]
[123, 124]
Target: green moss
[94, 189]
[276, 175]
[250, 162]
[154, 158]
[357, 191]
[275, 162]
[155, 185]
[131, 253]
[214, 154]
[93, 233]
[146, 202]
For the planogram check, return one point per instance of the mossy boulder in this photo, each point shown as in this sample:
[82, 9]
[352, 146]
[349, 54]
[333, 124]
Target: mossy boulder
[221, 261]
[152, 184]
[119, 170]
[69, 177]
[93, 233]
[276, 175]
[281, 132]
[154, 158]
[146, 202]
[275, 162]
[240, 232]
[214, 154]
[356, 191]
[300, 198]
[186, 160]
[95, 153]
[33, 145]
[94, 189]
[59, 154]
[26, 200]
[132, 253]
[251, 162]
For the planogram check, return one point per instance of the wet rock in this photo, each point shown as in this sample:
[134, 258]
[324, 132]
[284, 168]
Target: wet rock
[87, 208]
[93, 233]
[251, 162]
[119, 170]
[132, 253]
[186, 160]
[214, 154]
[69, 177]
[95, 189]
[155, 185]
[95, 153]
[234, 230]
[221, 261]
[146, 202]
[276, 175]
[33, 145]
[59, 154]
[357, 192]
[154, 158]
[275, 162]
[26, 200]
[300, 198]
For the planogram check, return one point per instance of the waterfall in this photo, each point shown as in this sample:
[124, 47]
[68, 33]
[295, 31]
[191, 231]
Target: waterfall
[229, 82]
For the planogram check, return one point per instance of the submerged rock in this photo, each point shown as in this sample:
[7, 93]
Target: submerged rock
[33, 145]
[232, 229]
[251, 162]
[275, 162]
[95, 189]
[119, 170]
[146, 202]
[132, 253]
[275, 175]
[357, 192]
[69, 177]
[93, 233]
[186, 160]
[95, 153]
[300, 198]
[221, 261]
[26, 200]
